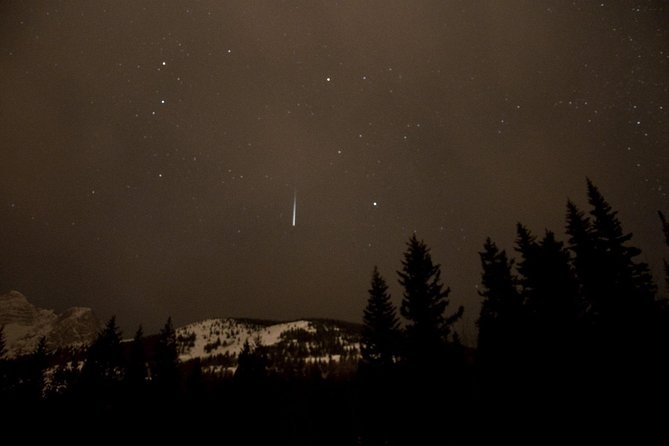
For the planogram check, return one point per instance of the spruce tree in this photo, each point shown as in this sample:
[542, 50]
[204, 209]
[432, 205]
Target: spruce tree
[500, 320]
[35, 380]
[584, 259]
[103, 367]
[380, 347]
[167, 358]
[432, 378]
[103, 359]
[619, 295]
[424, 305]
[627, 288]
[252, 363]
[137, 371]
[380, 331]
[552, 312]
[166, 374]
[527, 247]
[550, 286]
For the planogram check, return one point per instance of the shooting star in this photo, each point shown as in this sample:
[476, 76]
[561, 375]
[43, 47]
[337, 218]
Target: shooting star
[294, 206]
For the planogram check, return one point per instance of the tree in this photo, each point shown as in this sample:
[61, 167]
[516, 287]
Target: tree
[34, 379]
[582, 245]
[102, 372]
[166, 374]
[103, 359]
[501, 319]
[626, 289]
[137, 371]
[380, 331]
[252, 363]
[433, 365]
[424, 303]
[549, 285]
[527, 247]
[621, 313]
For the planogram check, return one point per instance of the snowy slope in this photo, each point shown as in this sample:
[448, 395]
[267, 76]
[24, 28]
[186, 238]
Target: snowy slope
[227, 336]
[288, 345]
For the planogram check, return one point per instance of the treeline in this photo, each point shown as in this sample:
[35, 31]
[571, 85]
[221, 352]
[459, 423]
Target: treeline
[571, 335]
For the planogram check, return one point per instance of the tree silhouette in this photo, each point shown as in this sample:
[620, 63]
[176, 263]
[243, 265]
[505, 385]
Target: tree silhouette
[166, 373]
[424, 304]
[502, 323]
[380, 332]
[380, 347]
[629, 286]
[582, 245]
[136, 374]
[431, 361]
[549, 284]
[622, 328]
[103, 369]
[553, 310]
[252, 363]
[34, 380]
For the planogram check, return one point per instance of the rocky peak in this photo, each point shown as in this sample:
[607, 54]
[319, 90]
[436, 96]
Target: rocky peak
[25, 324]
[15, 309]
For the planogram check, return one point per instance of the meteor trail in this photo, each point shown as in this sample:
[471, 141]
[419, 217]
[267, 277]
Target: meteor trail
[294, 206]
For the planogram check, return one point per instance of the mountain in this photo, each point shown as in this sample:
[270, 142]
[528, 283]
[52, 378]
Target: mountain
[25, 324]
[295, 347]
[289, 346]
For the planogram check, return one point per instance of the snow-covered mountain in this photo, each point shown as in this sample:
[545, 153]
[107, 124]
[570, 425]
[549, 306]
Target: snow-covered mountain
[25, 324]
[218, 342]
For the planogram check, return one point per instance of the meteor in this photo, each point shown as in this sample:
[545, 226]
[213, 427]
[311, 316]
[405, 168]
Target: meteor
[294, 206]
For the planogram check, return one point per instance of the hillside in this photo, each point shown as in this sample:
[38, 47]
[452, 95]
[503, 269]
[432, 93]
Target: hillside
[293, 346]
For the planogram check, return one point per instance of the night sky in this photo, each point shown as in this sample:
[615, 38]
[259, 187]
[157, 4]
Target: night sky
[151, 151]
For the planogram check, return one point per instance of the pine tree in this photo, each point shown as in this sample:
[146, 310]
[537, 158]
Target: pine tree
[252, 363]
[552, 312]
[553, 291]
[528, 248]
[137, 371]
[103, 359]
[166, 374]
[432, 372]
[627, 288]
[380, 332]
[103, 368]
[380, 347]
[589, 272]
[424, 304]
[621, 311]
[35, 380]
[500, 321]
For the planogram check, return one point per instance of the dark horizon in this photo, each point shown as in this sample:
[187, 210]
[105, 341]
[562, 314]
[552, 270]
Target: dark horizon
[151, 155]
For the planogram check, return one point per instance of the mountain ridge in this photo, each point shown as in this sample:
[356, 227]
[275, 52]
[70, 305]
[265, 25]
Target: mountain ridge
[25, 324]
[216, 342]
